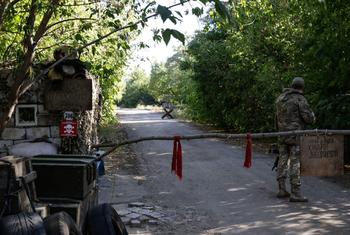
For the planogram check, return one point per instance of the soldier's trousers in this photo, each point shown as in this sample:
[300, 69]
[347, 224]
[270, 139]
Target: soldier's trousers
[289, 162]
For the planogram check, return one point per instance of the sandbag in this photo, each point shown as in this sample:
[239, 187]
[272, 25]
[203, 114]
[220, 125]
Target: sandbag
[30, 149]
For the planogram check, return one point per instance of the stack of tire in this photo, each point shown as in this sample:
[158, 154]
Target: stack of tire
[100, 220]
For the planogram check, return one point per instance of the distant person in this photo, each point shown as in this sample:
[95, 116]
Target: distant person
[293, 113]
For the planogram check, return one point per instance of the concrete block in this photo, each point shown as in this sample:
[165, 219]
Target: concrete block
[123, 212]
[133, 215]
[55, 119]
[4, 147]
[5, 143]
[43, 119]
[143, 218]
[41, 108]
[29, 97]
[32, 149]
[20, 141]
[12, 122]
[56, 141]
[55, 132]
[126, 220]
[136, 204]
[154, 215]
[135, 223]
[37, 132]
[13, 134]
[3, 154]
[153, 222]
[41, 97]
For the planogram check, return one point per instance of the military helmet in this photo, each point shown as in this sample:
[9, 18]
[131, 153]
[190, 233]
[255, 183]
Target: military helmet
[298, 82]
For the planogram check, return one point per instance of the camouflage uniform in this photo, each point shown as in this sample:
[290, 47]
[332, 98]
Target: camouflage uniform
[293, 113]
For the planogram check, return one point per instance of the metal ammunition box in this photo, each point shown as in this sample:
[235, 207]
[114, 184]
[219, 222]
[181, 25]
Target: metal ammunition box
[70, 176]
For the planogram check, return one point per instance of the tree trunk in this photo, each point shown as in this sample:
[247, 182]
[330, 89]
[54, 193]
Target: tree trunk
[3, 7]
[16, 88]
[7, 114]
[30, 41]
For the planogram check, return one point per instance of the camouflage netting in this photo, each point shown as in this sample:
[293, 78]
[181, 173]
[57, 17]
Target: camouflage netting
[88, 123]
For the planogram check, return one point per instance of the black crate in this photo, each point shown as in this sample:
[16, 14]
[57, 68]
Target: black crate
[77, 209]
[64, 177]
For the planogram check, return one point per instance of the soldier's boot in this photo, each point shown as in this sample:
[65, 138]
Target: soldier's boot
[282, 191]
[296, 195]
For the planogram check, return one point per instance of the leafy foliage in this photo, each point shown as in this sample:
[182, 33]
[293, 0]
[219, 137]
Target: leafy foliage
[136, 91]
[32, 29]
[167, 33]
[232, 72]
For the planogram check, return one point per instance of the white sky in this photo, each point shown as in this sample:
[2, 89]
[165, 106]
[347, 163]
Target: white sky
[159, 52]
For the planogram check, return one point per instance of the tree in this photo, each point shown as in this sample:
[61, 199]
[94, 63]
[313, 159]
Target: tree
[136, 90]
[169, 82]
[236, 71]
[31, 28]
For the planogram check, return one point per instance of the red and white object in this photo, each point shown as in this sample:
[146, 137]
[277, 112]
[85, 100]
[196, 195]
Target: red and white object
[69, 128]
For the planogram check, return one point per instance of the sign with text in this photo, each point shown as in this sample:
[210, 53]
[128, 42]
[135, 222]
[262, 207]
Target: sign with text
[68, 116]
[322, 155]
[69, 128]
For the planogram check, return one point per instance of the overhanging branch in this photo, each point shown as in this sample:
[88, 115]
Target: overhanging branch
[128, 26]
[43, 72]
[45, 20]
[67, 20]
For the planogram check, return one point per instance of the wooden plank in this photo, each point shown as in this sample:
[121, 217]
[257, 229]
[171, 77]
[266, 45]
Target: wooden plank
[322, 155]
[68, 94]
[20, 167]
[42, 209]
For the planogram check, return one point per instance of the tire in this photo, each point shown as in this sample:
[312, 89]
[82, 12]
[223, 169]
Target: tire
[104, 220]
[22, 223]
[61, 224]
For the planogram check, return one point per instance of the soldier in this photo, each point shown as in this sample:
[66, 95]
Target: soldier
[293, 113]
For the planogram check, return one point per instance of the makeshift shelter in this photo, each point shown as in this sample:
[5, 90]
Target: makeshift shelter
[68, 93]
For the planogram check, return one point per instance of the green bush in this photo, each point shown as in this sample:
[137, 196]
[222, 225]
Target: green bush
[136, 91]
[231, 74]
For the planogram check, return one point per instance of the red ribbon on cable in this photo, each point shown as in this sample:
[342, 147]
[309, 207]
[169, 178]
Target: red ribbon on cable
[248, 152]
[176, 164]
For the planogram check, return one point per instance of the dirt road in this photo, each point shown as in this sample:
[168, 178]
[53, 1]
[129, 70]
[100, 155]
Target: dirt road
[218, 195]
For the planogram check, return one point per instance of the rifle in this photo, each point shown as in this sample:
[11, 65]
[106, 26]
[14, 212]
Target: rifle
[275, 164]
[274, 150]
